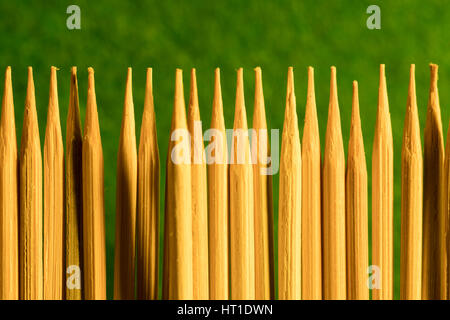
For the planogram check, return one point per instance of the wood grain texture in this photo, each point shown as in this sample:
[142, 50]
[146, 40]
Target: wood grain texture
[178, 214]
[148, 201]
[412, 193]
[434, 220]
[53, 198]
[217, 155]
[311, 199]
[382, 197]
[93, 201]
[74, 196]
[242, 248]
[30, 195]
[9, 200]
[199, 198]
[334, 253]
[126, 197]
[263, 203]
[356, 209]
[289, 211]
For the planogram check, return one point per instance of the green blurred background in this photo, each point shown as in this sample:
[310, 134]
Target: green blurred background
[227, 34]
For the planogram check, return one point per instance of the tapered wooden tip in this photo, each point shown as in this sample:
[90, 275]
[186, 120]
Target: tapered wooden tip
[91, 120]
[412, 102]
[434, 97]
[179, 112]
[148, 103]
[7, 116]
[194, 113]
[383, 104]
[355, 105]
[30, 100]
[411, 135]
[148, 128]
[53, 107]
[240, 116]
[259, 117]
[217, 108]
[128, 104]
[290, 114]
[333, 138]
[290, 82]
[333, 88]
[311, 112]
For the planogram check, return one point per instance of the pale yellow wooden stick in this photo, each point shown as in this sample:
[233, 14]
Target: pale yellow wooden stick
[412, 193]
[289, 210]
[382, 198]
[446, 185]
[311, 200]
[9, 213]
[242, 248]
[53, 198]
[30, 195]
[356, 209]
[263, 206]
[148, 201]
[74, 196]
[334, 258]
[178, 202]
[93, 202]
[434, 221]
[126, 196]
[199, 198]
[218, 200]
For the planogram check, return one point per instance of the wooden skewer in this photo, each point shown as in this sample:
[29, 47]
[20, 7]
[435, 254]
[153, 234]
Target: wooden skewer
[334, 256]
[93, 202]
[218, 200]
[412, 192]
[148, 201]
[126, 196]
[53, 198]
[382, 197]
[446, 196]
[74, 195]
[199, 198]
[30, 195]
[289, 212]
[434, 220]
[9, 214]
[263, 206]
[178, 203]
[356, 209]
[311, 200]
[242, 249]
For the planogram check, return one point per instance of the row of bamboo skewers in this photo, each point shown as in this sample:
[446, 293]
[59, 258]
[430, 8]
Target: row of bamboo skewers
[218, 229]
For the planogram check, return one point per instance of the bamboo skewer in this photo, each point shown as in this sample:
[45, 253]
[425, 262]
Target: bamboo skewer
[434, 220]
[289, 212]
[242, 250]
[311, 200]
[126, 196]
[74, 195]
[334, 253]
[382, 197]
[218, 200]
[412, 188]
[53, 198]
[9, 214]
[178, 203]
[263, 206]
[30, 195]
[446, 196]
[356, 209]
[148, 201]
[199, 198]
[93, 202]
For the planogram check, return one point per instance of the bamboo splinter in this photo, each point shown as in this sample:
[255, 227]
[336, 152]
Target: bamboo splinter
[199, 198]
[290, 193]
[9, 201]
[412, 192]
[263, 206]
[30, 195]
[434, 221]
[242, 249]
[218, 199]
[74, 195]
[311, 200]
[126, 197]
[334, 253]
[147, 228]
[382, 197]
[53, 198]
[356, 209]
[93, 202]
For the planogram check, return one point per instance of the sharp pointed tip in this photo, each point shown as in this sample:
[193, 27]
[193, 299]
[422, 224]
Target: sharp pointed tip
[240, 85]
[412, 80]
[355, 96]
[91, 79]
[8, 72]
[434, 75]
[129, 91]
[290, 82]
[193, 83]
[73, 70]
[333, 87]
